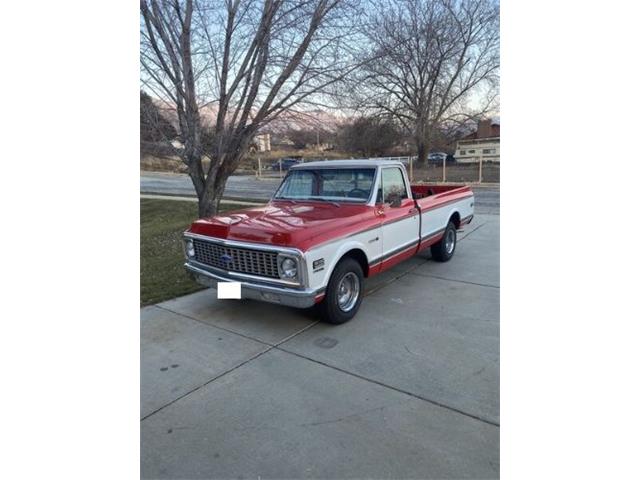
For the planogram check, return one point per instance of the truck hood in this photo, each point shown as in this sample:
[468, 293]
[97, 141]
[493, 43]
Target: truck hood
[299, 225]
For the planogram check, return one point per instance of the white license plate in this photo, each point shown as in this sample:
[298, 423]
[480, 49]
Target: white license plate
[229, 290]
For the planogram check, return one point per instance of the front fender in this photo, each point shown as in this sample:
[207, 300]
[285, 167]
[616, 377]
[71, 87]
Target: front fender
[370, 243]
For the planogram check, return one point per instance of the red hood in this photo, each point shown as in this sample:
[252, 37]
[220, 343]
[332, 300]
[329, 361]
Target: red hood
[299, 225]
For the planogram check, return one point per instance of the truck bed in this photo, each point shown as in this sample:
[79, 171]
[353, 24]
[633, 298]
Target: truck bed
[420, 191]
[436, 204]
[429, 196]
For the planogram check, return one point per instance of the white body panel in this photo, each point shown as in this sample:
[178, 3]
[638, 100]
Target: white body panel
[399, 234]
[435, 220]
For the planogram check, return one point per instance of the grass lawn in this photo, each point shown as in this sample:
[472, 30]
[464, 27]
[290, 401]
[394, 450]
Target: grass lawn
[162, 275]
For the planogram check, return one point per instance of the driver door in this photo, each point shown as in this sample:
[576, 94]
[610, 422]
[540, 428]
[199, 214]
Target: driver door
[399, 218]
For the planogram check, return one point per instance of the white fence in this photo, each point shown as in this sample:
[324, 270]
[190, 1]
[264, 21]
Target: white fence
[480, 172]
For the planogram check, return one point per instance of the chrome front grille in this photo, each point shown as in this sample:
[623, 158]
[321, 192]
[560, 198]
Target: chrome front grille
[233, 259]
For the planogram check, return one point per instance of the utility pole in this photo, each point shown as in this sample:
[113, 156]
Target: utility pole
[444, 169]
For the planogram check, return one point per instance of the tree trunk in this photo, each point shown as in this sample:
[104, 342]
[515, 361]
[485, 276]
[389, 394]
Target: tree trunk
[204, 208]
[423, 144]
[422, 151]
[209, 201]
[207, 205]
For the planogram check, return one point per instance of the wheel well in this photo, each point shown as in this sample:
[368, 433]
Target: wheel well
[360, 257]
[455, 218]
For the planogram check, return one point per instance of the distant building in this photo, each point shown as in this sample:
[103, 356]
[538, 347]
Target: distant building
[320, 147]
[263, 142]
[483, 144]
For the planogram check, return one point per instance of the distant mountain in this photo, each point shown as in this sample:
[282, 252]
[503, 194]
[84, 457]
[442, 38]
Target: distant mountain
[310, 120]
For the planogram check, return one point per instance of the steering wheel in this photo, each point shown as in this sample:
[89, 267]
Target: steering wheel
[359, 193]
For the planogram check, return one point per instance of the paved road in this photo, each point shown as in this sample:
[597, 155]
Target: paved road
[408, 389]
[249, 187]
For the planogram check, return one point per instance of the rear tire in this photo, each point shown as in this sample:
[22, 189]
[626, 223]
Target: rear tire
[344, 292]
[446, 247]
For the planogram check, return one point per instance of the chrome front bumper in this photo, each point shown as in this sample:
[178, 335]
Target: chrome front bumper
[292, 297]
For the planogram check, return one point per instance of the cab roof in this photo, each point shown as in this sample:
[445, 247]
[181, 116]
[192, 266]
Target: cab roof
[361, 162]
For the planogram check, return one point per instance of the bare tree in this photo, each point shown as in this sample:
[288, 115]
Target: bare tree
[369, 136]
[432, 57]
[310, 137]
[243, 63]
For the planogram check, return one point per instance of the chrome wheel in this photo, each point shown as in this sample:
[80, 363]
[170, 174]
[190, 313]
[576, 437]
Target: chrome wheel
[348, 291]
[450, 241]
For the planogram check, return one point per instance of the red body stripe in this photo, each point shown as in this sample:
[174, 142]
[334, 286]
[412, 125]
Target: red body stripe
[397, 258]
[427, 242]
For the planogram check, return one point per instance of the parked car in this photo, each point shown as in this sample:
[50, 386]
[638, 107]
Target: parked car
[436, 158]
[287, 163]
[329, 226]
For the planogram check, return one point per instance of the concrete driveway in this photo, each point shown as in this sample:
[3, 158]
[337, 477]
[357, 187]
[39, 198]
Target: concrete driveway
[407, 389]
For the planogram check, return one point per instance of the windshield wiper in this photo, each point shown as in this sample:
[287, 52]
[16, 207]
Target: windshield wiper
[323, 199]
[287, 199]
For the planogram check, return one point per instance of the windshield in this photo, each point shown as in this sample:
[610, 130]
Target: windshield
[329, 184]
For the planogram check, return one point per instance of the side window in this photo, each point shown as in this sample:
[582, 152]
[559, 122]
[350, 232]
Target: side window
[393, 185]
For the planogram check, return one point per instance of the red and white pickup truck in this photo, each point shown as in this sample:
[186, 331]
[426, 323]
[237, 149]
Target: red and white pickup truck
[329, 226]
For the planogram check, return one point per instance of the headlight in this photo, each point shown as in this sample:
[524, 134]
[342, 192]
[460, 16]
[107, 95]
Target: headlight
[188, 247]
[288, 267]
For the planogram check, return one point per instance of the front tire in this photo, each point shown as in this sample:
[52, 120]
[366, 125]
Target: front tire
[344, 292]
[446, 247]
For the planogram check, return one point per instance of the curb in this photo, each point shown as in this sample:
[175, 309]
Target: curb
[192, 198]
